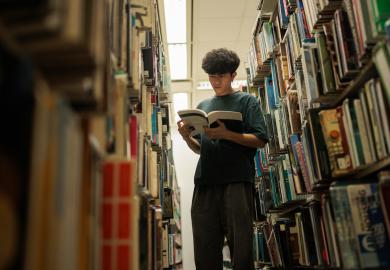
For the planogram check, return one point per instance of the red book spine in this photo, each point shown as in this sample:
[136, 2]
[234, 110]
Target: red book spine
[302, 164]
[116, 214]
[133, 133]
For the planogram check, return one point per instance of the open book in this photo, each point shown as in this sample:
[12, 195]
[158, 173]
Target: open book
[197, 119]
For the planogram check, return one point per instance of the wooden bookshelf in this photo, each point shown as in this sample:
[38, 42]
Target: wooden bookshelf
[75, 72]
[321, 187]
[366, 73]
[322, 59]
[267, 7]
[364, 171]
[326, 268]
[315, 268]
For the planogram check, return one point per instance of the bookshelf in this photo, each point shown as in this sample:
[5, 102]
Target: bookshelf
[320, 70]
[364, 171]
[367, 72]
[86, 167]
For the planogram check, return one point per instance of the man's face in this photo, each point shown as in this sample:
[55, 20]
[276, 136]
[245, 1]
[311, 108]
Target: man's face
[221, 83]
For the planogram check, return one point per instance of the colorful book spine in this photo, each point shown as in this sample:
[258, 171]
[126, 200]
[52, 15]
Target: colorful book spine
[302, 164]
[345, 231]
[118, 237]
[369, 227]
[384, 195]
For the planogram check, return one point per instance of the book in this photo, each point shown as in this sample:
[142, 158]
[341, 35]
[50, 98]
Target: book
[384, 191]
[339, 158]
[321, 158]
[347, 242]
[369, 225]
[199, 119]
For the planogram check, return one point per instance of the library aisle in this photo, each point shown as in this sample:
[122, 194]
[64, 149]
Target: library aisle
[92, 171]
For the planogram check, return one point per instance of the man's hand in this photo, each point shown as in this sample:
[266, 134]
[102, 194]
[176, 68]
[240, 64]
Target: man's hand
[184, 129]
[219, 132]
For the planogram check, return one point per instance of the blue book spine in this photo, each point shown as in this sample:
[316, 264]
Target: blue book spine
[359, 197]
[343, 221]
[301, 26]
[369, 227]
[275, 82]
[262, 246]
[269, 85]
[274, 187]
[283, 17]
[356, 133]
[257, 163]
[255, 245]
[154, 126]
[286, 173]
[387, 28]
[379, 227]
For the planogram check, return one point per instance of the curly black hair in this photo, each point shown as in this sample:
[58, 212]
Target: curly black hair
[220, 61]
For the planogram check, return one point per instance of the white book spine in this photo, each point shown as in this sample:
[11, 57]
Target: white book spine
[359, 196]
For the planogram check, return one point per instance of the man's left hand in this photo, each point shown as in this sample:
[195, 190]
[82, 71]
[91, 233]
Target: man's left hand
[217, 132]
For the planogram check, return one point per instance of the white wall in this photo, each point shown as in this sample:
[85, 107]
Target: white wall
[199, 95]
[185, 164]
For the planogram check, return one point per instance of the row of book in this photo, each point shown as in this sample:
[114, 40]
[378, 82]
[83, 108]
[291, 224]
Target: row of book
[313, 57]
[296, 129]
[302, 41]
[362, 129]
[144, 121]
[346, 228]
[86, 103]
[260, 250]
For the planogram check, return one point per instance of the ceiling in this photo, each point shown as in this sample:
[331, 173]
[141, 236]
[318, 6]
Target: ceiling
[222, 23]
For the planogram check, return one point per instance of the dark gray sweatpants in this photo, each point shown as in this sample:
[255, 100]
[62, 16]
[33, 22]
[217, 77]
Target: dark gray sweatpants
[219, 211]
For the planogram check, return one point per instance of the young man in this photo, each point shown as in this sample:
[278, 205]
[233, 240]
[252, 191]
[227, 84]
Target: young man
[222, 203]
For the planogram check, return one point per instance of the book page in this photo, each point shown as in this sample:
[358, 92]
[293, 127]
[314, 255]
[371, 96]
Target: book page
[196, 118]
[224, 115]
[191, 112]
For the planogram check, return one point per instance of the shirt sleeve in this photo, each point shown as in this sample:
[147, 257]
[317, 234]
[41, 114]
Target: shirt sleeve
[254, 120]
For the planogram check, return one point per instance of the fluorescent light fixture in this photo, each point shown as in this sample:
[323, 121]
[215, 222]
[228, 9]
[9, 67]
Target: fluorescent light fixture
[206, 85]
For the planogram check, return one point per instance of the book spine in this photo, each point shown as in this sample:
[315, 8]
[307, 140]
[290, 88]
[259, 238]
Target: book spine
[384, 195]
[359, 197]
[382, 242]
[345, 232]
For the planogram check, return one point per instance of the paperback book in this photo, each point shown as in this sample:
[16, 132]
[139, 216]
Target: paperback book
[198, 119]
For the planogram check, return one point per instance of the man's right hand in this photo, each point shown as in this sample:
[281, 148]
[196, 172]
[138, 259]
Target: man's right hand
[184, 129]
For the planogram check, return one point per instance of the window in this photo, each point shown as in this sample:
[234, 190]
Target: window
[178, 61]
[176, 24]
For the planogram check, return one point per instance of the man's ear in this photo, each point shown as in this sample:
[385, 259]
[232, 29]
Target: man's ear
[234, 74]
